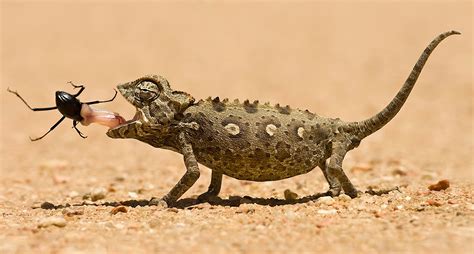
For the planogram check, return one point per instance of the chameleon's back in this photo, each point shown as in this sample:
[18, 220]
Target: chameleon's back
[251, 141]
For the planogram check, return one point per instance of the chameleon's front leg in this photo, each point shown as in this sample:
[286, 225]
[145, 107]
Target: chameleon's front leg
[191, 175]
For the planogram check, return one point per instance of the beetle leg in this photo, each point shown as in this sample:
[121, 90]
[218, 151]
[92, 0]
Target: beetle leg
[97, 102]
[52, 128]
[34, 109]
[80, 90]
[74, 123]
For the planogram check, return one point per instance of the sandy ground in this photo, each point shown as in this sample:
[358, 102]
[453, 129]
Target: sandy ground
[344, 59]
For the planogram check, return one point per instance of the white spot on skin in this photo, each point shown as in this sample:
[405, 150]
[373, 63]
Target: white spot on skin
[271, 129]
[232, 128]
[300, 132]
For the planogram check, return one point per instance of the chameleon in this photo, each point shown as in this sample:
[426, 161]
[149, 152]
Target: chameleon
[249, 140]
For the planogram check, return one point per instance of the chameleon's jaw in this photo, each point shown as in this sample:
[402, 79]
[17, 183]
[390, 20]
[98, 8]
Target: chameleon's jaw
[121, 130]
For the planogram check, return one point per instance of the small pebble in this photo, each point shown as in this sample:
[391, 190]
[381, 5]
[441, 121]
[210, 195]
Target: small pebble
[330, 211]
[71, 212]
[60, 179]
[52, 221]
[326, 200]
[245, 209]
[98, 194]
[73, 194]
[289, 195]
[47, 205]
[432, 202]
[173, 209]
[441, 185]
[118, 226]
[377, 214]
[344, 198]
[118, 209]
[36, 205]
[119, 178]
[291, 215]
[133, 195]
[111, 188]
[399, 172]
[420, 209]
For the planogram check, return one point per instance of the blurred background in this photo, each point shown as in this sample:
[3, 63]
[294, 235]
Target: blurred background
[342, 59]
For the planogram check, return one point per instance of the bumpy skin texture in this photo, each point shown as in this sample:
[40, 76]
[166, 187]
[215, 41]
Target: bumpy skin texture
[248, 140]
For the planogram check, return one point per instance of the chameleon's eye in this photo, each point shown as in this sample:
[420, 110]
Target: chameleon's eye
[146, 91]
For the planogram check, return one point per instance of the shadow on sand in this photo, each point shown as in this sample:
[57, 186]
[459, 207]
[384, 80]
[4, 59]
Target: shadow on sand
[190, 203]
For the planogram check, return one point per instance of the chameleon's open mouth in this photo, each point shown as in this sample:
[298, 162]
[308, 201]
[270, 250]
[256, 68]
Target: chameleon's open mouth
[138, 117]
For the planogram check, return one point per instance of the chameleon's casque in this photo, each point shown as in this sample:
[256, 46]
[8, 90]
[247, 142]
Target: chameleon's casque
[249, 140]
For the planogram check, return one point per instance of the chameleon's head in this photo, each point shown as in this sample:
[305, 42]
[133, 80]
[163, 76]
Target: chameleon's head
[156, 103]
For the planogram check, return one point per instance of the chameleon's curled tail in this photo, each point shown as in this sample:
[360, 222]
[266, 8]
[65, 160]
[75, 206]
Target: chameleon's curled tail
[369, 126]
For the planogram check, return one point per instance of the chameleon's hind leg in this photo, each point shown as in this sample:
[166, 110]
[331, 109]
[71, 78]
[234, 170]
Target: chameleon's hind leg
[188, 179]
[334, 168]
[214, 187]
[334, 185]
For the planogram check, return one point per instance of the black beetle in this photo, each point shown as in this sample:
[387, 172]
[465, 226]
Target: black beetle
[68, 105]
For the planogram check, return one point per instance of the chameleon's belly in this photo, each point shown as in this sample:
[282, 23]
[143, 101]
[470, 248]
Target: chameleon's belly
[259, 164]
[258, 144]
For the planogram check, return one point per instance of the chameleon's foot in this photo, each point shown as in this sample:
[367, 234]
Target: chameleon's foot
[352, 193]
[349, 190]
[158, 202]
[333, 191]
[208, 197]
[381, 192]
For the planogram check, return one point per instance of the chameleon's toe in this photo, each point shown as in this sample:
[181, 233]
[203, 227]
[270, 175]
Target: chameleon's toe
[208, 197]
[352, 193]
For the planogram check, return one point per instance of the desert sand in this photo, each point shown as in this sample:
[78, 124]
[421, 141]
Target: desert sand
[343, 59]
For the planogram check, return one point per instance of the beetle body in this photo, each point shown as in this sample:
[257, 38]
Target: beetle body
[68, 105]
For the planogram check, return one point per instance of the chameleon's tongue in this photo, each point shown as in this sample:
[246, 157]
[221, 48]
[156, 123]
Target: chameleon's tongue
[102, 117]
